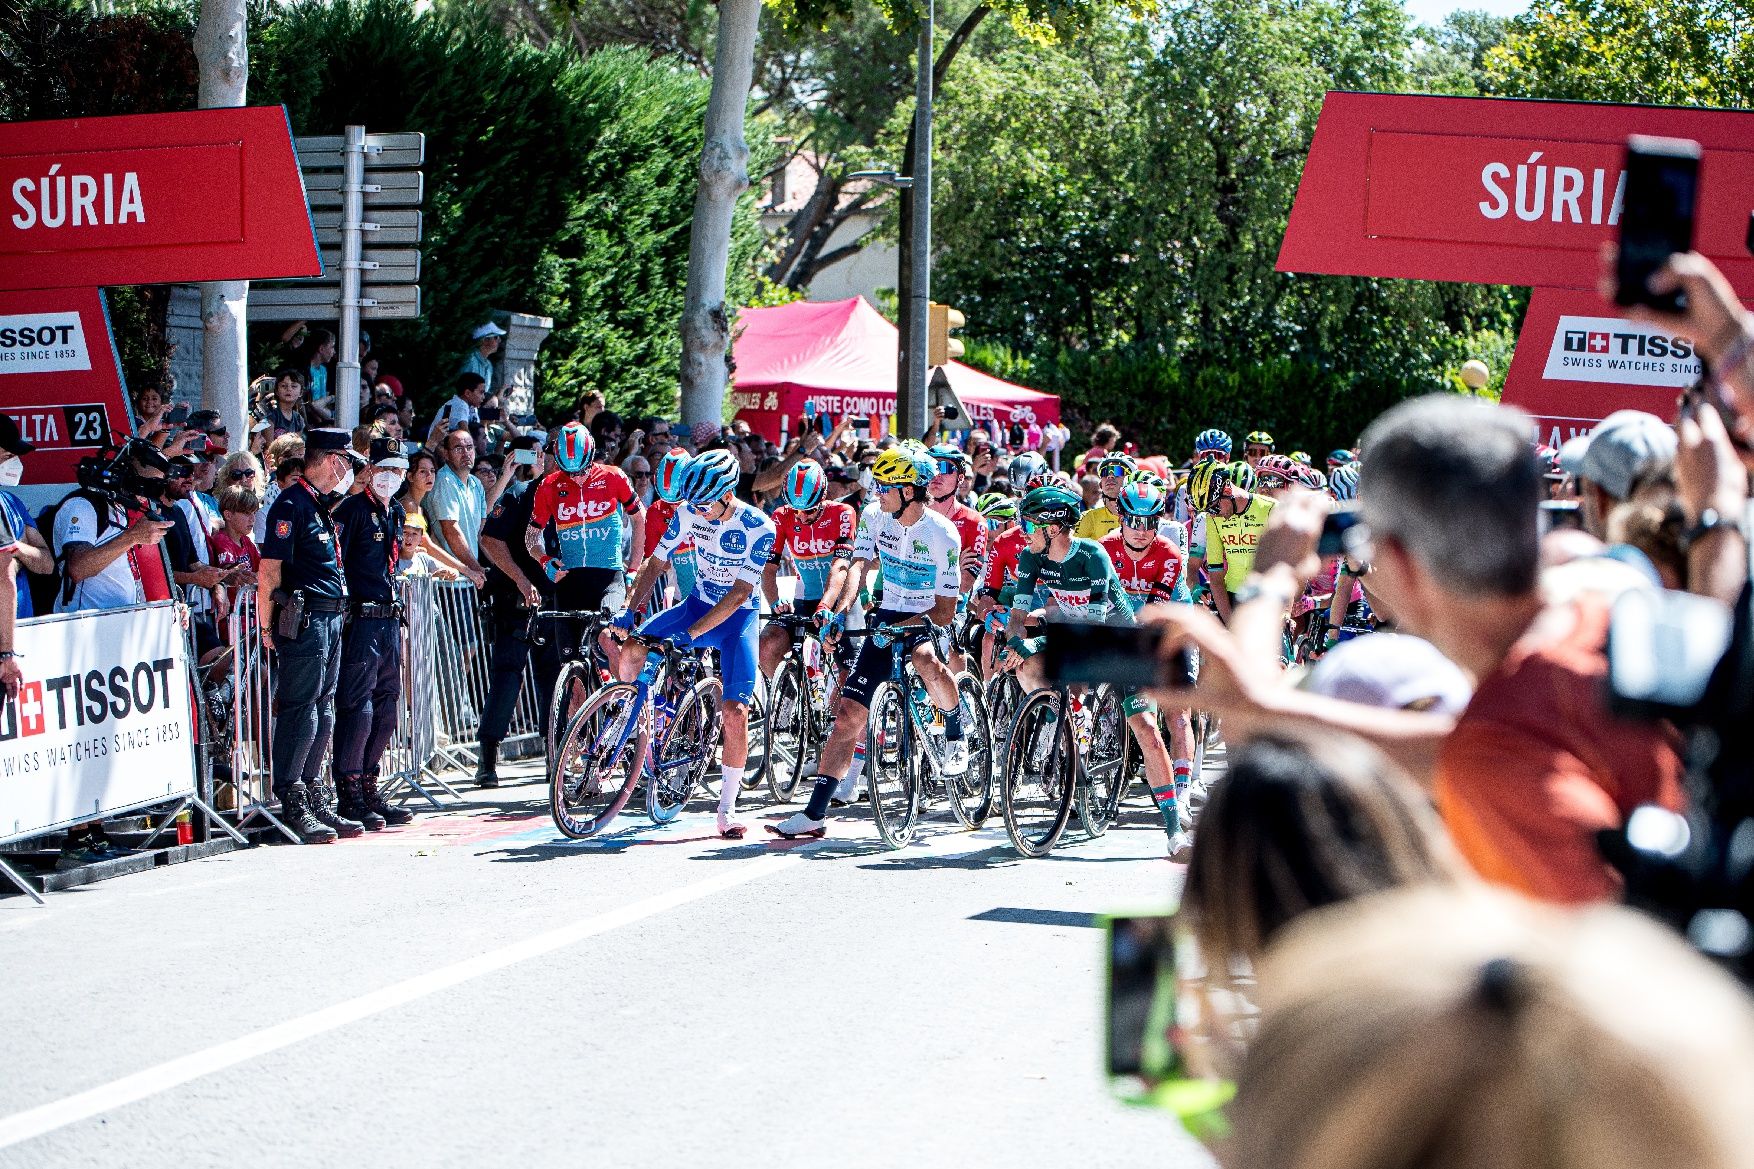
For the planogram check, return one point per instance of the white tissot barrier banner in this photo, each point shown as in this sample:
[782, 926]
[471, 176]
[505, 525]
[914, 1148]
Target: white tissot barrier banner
[102, 723]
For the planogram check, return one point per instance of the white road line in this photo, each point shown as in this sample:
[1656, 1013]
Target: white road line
[35, 1122]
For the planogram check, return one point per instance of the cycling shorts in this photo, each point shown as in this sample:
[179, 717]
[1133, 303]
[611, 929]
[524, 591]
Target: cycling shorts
[876, 663]
[592, 588]
[737, 638]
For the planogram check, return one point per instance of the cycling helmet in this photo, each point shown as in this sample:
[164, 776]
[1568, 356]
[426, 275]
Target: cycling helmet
[996, 507]
[1144, 475]
[1242, 475]
[1343, 483]
[1259, 438]
[574, 448]
[1279, 466]
[1301, 457]
[1116, 464]
[1212, 440]
[667, 481]
[806, 485]
[710, 476]
[905, 466]
[947, 453]
[1340, 458]
[1141, 500]
[1206, 484]
[1053, 505]
[1026, 471]
[1308, 477]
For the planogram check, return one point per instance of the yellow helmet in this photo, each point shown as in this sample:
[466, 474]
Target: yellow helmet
[904, 466]
[1206, 484]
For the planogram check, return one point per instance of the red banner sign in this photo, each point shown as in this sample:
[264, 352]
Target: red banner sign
[152, 199]
[1498, 191]
[59, 380]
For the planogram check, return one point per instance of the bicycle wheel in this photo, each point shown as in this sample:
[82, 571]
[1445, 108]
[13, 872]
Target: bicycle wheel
[685, 751]
[1036, 790]
[971, 794]
[789, 729]
[1104, 776]
[891, 771]
[592, 776]
[1004, 693]
[576, 683]
[756, 765]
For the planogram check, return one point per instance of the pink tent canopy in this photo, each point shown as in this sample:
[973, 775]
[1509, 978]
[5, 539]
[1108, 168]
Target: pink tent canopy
[841, 355]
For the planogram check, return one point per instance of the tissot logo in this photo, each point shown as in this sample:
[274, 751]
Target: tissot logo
[1607, 349]
[1580, 341]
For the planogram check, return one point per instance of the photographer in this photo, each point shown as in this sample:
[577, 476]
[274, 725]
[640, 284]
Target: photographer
[108, 535]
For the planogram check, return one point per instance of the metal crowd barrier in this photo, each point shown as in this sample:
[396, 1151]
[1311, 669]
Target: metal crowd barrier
[445, 670]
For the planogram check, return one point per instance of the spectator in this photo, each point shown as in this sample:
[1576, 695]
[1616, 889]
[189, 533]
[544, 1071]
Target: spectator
[638, 470]
[658, 440]
[1535, 767]
[1459, 1029]
[191, 560]
[486, 473]
[234, 550]
[590, 405]
[416, 560]
[211, 425]
[313, 360]
[286, 448]
[463, 409]
[260, 436]
[1101, 443]
[241, 469]
[30, 552]
[386, 422]
[459, 504]
[479, 360]
[150, 407]
[606, 430]
[1627, 448]
[416, 500]
[110, 549]
[286, 414]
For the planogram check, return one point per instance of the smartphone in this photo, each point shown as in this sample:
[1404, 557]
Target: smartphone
[1087, 653]
[410, 447]
[525, 457]
[1560, 513]
[1141, 997]
[862, 427]
[490, 413]
[809, 413]
[1663, 650]
[178, 415]
[1340, 521]
[1662, 185]
[198, 443]
[951, 413]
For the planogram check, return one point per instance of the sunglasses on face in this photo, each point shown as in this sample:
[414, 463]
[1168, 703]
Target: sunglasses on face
[1115, 472]
[1273, 483]
[1139, 523]
[1208, 456]
[1258, 451]
[886, 488]
[946, 467]
[243, 473]
[1030, 527]
[638, 475]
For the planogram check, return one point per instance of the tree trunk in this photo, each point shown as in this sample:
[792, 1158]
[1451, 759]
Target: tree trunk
[222, 58]
[724, 175]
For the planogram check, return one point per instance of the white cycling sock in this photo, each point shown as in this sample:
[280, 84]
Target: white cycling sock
[730, 783]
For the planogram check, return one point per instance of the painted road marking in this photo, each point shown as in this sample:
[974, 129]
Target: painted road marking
[47, 1118]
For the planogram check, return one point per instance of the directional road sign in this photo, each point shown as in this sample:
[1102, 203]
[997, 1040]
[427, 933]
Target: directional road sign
[386, 227]
[323, 151]
[382, 266]
[382, 188]
[323, 303]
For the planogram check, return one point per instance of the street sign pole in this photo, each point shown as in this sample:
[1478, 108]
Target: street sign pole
[352, 212]
[912, 407]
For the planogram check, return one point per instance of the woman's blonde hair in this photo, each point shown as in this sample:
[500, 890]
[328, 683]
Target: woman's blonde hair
[280, 448]
[1466, 1028]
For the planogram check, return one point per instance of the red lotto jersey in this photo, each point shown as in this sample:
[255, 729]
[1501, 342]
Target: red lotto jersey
[1152, 577]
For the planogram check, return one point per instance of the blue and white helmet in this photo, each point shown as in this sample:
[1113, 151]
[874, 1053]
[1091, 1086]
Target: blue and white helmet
[1212, 440]
[1343, 483]
[710, 476]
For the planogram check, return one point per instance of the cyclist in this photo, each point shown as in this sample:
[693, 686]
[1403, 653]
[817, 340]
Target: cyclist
[1257, 446]
[733, 542]
[1112, 471]
[1275, 473]
[1339, 458]
[919, 553]
[1350, 605]
[1025, 472]
[1210, 445]
[816, 538]
[1150, 570]
[946, 494]
[1005, 542]
[1235, 519]
[667, 497]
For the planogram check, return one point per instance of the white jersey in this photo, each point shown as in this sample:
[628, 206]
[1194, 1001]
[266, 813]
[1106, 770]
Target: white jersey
[736, 548]
[919, 563]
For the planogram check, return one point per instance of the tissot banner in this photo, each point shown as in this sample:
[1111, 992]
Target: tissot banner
[101, 723]
[152, 199]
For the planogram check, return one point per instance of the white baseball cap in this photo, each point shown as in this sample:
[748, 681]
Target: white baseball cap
[488, 330]
[1391, 670]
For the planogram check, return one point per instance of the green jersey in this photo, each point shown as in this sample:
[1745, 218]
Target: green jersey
[1084, 585]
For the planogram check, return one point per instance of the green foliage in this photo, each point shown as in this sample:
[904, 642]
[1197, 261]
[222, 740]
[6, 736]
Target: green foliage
[1451, 59]
[1670, 52]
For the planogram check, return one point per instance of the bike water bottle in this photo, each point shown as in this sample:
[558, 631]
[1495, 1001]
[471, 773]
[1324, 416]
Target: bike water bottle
[923, 708]
[649, 672]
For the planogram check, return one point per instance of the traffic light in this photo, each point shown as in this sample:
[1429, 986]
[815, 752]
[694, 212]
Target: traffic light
[940, 345]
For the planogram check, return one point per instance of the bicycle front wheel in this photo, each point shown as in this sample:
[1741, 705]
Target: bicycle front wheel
[1004, 693]
[789, 724]
[1104, 768]
[891, 771]
[576, 683]
[1036, 791]
[755, 767]
[971, 793]
[592, 776]
[685, 752]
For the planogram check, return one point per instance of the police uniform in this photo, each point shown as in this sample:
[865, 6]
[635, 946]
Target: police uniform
[509, 620]
[301, 535]
[369, 695]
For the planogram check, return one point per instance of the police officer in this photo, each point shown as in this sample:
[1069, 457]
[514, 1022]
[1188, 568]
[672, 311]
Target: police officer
[301, 592]
[516, 587]
[370, 691]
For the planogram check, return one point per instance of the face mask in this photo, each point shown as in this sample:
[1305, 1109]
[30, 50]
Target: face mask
[11, 471]
[345, 484]
[385, 483]
[867, 482]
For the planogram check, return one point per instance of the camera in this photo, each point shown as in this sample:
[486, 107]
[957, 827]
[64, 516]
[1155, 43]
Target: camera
[111, 476]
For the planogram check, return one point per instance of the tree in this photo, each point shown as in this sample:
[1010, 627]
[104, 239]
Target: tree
[222, 55]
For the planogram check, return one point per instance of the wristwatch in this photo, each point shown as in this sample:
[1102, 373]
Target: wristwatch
[1710, 520]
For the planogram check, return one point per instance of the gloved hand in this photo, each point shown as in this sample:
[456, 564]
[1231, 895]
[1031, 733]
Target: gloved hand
[682, 640]
[624, 620]
[552, 568]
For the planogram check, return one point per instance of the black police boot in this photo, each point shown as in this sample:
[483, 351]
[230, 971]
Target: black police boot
[295, 811]
[352, 803]
[323, 808]
[487, 768]
[375, 801]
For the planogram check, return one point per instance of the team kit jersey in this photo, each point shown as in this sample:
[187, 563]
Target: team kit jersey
[1002, 554]
[971, 529]
[586, 511]
[734, 549]
[811, 546]
[1155, 576]
[681, 557]
[1083, 585]
[1098, 522]
[920, 563]
[1237, 536]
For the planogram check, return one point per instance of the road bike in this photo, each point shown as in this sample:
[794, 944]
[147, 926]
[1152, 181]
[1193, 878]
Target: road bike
[584, 668]
[903, 770]
[800, 705]
[1066, 751]
[664, 727]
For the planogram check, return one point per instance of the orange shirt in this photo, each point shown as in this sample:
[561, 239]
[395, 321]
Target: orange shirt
[1537, 766]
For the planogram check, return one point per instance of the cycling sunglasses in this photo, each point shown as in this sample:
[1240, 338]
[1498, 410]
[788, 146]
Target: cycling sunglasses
[1114, 471]
[1272, 483]
[1206, 456]
[1030, 527]
[1139, 523]
[886, 488]
[949, 467]
[1259, 451]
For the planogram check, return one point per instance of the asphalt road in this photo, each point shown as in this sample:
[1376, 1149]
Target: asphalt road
[475, 990]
